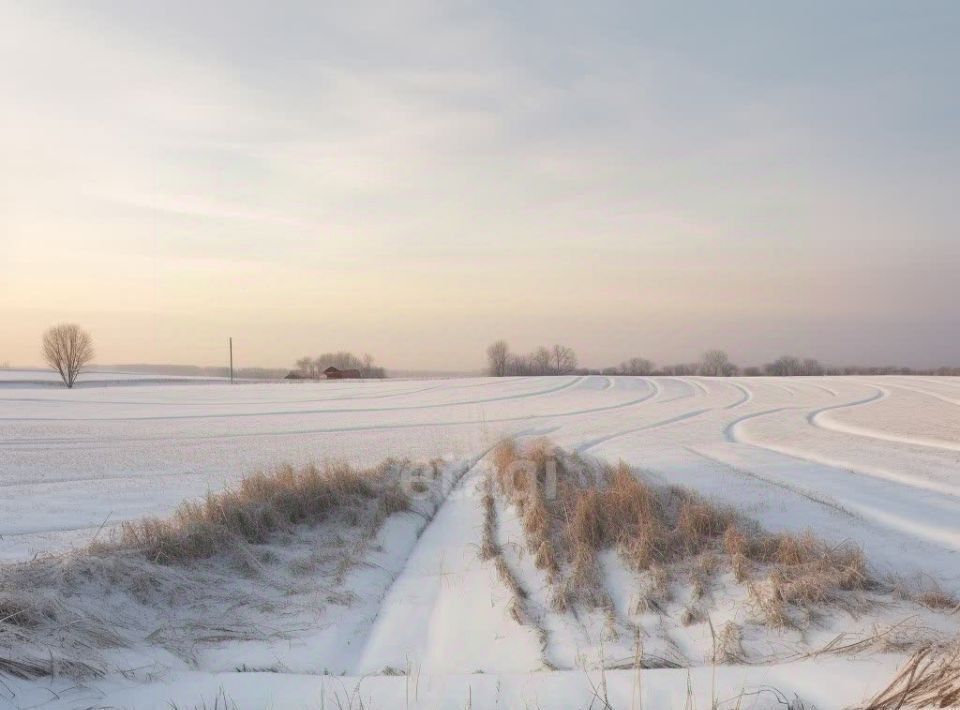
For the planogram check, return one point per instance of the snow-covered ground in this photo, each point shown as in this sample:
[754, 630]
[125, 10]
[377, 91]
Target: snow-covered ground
[873, 460]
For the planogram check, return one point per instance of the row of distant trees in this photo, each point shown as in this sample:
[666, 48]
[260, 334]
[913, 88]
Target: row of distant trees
[554, 360]
[713, 363]
[716, 363]
[313, 367]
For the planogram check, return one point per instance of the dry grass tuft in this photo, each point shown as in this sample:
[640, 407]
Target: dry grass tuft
[30, 668]
[728, 647]
[933, 596]
[692, 615]
[488, 546]
[263, 504]
[200, 576]
[572, 511]
[17, 613]
[930, 679]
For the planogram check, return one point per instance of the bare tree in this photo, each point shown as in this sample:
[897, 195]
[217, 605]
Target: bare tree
[498, 355]
[811, 366]
[562, 359]
[67, 349]
[784, 366]
[714, 363]
[518, 365]
[636, 366]
[541, 361]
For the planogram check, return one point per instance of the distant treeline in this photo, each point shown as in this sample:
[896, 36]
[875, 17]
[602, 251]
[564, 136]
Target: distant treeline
[555, 360]
[716, 363]
[313, 367]
[561, 360]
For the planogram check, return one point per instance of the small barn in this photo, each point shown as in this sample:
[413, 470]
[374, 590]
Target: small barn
[333, 373]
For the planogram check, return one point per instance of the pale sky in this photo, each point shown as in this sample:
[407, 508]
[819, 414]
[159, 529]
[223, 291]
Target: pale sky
[416, 179]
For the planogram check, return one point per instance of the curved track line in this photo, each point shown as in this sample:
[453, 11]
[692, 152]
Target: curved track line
[928, 393]
[807, 493]
[813, 416]
[692, 393]
[295, 412]
[815, 419]
[747, 395]
[609, 382]
[804, 383]
[655, 425]
[782, 388]
[859, 470]
[655, 390]
[905, 510]
[944, 381]
[832, 393]
[730, 430]
[368, 643]
[123, 402]
[142, 476]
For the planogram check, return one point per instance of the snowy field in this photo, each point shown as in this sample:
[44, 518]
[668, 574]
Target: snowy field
[872, 460]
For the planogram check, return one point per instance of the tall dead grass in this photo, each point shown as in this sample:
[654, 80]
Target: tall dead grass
[195, 577]
[930, 679]
[571, 511]
[263, 504]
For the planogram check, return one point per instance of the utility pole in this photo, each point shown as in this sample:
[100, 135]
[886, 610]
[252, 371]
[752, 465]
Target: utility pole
[231, 361]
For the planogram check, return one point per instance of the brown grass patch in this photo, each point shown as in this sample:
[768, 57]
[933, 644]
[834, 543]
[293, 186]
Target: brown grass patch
[571, 511]
[57, 612]
[728, 645]
[488, 545]
[263, 504]
[930, 679]
[935, 597]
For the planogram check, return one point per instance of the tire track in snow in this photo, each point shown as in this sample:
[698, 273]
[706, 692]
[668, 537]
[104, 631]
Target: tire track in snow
[831, 392]
[654, 425]
[422, 619]
[733, 434]
[592, 443]
[295, 412]
[807, 493]
[816, 419]
[230, 403]
[730, 430]
[747, 395]
[14, 444]
[124, 402]
[691, 393]
[928, 393]
[885, 518]
[814, 416]
[890, 502]
[698, 384]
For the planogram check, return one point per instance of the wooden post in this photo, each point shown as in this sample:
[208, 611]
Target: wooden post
[231, 361]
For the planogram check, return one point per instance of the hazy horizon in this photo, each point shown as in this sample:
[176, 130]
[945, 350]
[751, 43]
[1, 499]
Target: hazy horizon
[415, 180]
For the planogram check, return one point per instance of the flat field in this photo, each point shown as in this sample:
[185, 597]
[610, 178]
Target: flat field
[870, 461]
